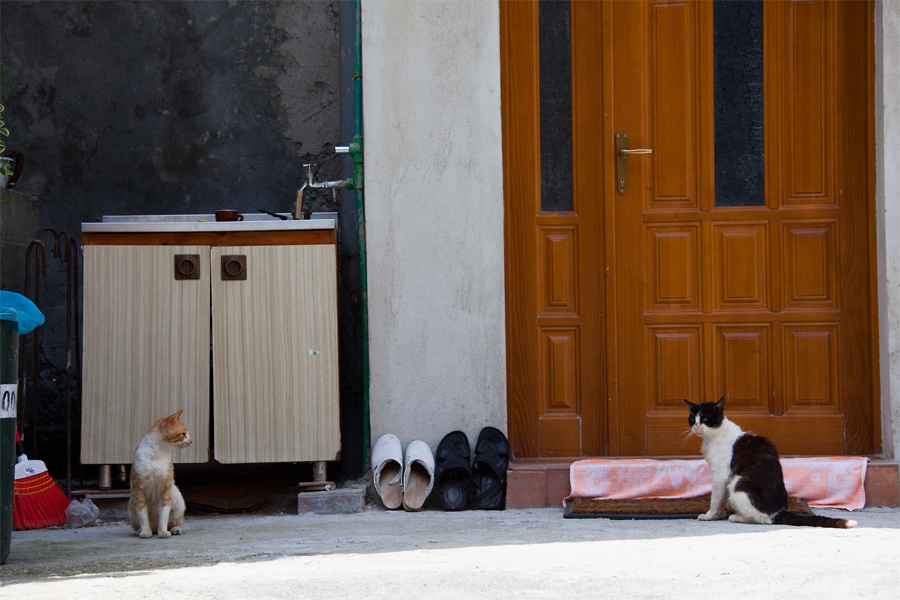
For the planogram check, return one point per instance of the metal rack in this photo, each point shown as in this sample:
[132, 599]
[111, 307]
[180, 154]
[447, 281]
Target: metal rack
[64, 249]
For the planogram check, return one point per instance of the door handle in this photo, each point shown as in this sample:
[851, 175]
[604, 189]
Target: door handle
[622, 153]
[234, 267]
[187, 266]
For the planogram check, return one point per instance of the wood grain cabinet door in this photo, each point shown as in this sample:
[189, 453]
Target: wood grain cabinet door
[275, 353]
[146, 348]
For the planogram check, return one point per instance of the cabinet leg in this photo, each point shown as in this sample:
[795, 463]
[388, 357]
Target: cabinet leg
[105, 477]
[121, 475]
[318, 468]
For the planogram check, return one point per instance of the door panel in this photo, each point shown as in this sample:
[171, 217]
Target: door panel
[146, 337]
[554, 318]
[795, 435]
[275, 355]
[665, 292]
[808, 97]
[770, 334]
[673, 84]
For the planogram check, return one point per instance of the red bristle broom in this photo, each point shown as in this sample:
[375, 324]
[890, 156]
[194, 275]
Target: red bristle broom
[37, 500]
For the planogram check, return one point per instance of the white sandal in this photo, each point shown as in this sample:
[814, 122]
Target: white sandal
[418, 475]
[387, 459]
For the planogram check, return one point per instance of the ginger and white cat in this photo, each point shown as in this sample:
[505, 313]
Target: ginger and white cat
[747, 478]
[156, 505]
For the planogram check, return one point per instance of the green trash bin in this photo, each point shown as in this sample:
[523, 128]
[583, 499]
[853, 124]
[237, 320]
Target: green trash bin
[9, 361]
[18, 315]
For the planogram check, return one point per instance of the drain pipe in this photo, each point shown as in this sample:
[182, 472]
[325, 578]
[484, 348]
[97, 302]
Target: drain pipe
[361, 223]
[350, 24]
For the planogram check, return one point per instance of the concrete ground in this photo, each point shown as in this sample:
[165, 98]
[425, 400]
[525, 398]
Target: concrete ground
[472, 554]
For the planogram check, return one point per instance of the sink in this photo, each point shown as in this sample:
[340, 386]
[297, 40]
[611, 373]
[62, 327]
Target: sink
[207, 222]
[183, 218]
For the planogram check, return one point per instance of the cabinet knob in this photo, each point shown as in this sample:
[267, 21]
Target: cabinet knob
[234, 267]
[187, 266]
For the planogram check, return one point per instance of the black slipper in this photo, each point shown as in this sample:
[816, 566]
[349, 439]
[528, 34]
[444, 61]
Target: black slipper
[453, 473]
[489, 469]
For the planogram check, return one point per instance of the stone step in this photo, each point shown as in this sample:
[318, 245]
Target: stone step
[540, 483]
[339, 501]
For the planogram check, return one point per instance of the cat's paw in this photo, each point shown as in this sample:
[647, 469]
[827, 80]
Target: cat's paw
[176, 531]
[709, 516]
[164, 534]
[144, 534]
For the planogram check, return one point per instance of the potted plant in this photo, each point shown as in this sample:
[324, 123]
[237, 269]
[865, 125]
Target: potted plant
[7, 165]
[10, 161]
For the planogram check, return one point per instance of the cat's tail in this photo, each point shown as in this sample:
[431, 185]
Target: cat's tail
[810, 520]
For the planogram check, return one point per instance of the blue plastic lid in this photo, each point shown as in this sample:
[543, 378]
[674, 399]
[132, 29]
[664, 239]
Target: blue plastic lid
[18, 308]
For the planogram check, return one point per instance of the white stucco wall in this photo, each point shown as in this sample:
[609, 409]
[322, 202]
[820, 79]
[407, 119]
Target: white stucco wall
[434, 217]
[887, 124]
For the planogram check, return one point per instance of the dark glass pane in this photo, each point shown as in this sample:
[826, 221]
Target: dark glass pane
[556, 105]
[738, 81]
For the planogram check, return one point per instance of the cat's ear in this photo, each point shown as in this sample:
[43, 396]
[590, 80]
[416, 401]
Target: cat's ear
[689, 403]
[721, 403]
[176, 416]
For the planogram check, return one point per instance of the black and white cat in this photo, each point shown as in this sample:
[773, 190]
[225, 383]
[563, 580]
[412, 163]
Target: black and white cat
[746, 473]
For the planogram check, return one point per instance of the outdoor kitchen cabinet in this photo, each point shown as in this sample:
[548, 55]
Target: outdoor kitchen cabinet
[237, 329]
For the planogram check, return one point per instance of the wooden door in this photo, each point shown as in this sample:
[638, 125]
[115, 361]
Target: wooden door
[760, 294]
[554, 274]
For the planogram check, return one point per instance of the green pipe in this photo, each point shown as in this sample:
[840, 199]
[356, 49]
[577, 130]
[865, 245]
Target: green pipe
[361, 226]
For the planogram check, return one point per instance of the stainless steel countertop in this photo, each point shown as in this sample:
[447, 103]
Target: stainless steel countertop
[205, 222]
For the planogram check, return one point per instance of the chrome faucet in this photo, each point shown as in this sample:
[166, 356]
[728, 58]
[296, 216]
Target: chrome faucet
[320, 185]
[351, 183]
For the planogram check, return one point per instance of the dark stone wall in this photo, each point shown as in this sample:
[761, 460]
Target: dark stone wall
[165, 107]
[156, 107]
